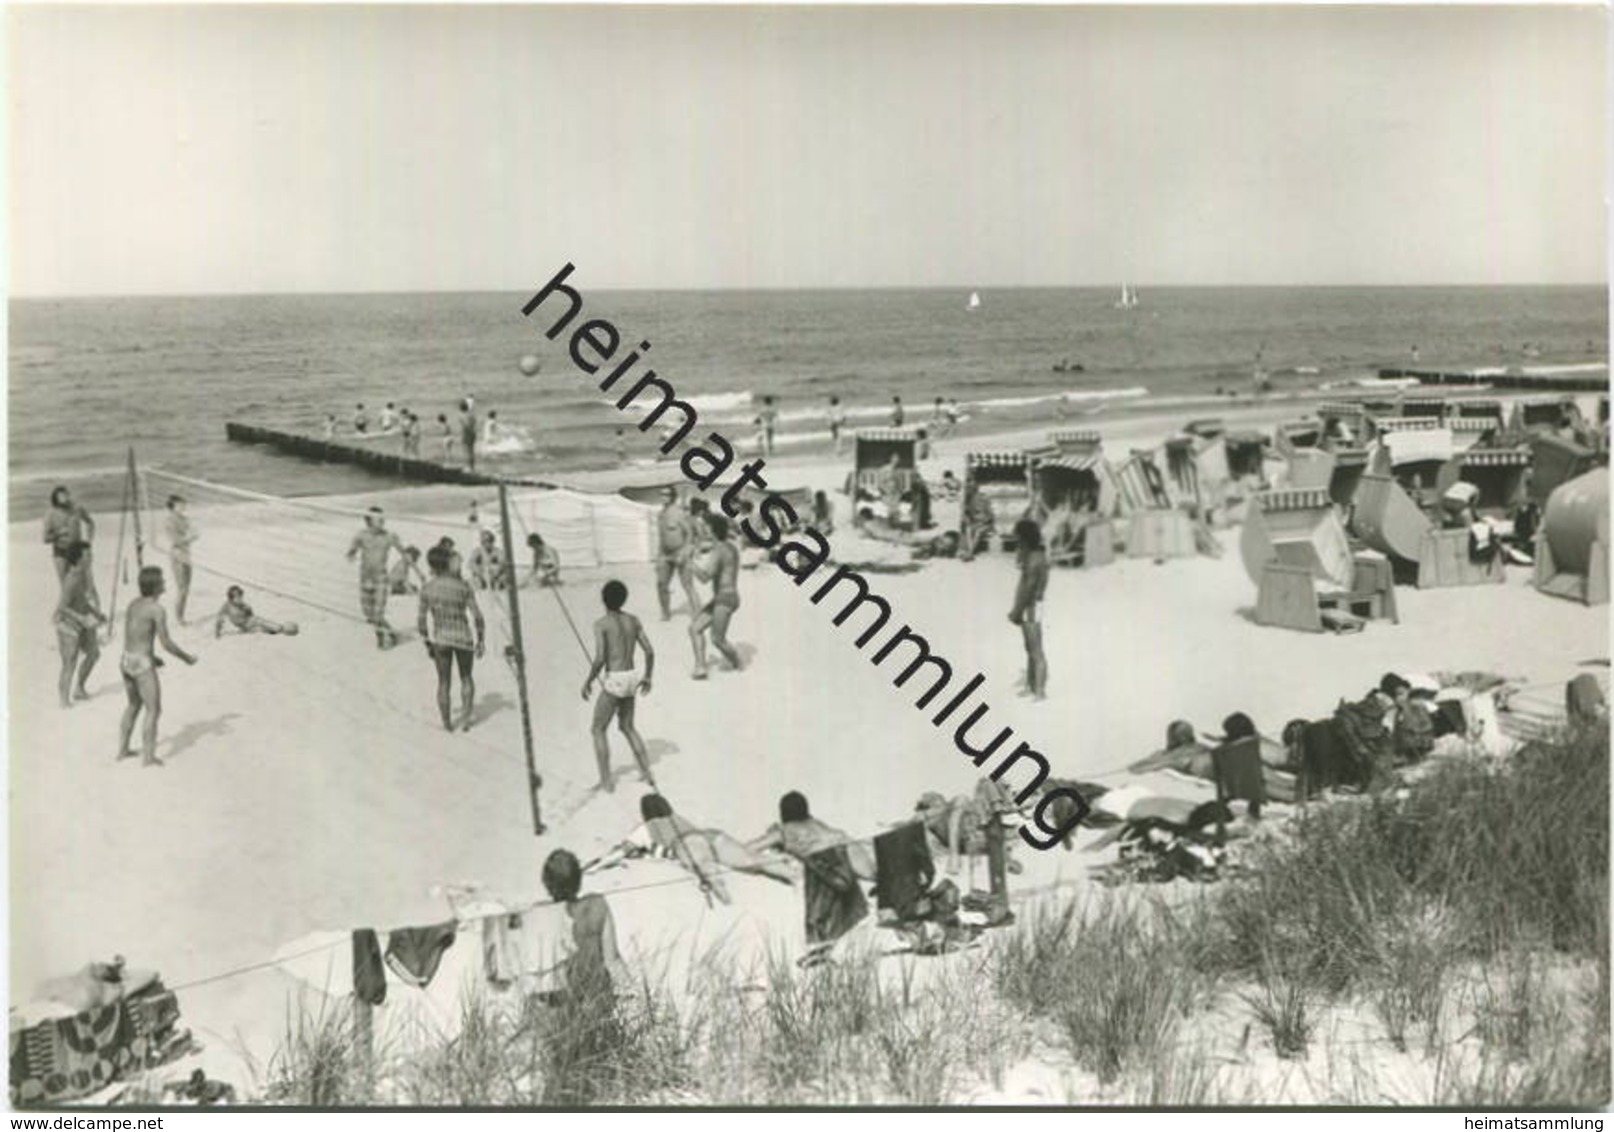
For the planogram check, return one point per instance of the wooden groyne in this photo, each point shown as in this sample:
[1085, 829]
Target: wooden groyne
[1591, 379]
[371, 456]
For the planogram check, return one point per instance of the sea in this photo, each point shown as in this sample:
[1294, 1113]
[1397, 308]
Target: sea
[92, 378]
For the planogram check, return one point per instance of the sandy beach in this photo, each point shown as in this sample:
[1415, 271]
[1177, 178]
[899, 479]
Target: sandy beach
[207, 865]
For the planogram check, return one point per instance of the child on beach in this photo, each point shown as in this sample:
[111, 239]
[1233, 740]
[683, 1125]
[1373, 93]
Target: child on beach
[401, 578]
[235, 611]
[545, 562]
[361, 419]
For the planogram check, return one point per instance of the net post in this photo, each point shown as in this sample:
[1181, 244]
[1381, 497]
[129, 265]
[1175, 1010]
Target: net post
[519, 656]
[134, 489]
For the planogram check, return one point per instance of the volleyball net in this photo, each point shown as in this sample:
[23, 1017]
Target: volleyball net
[296, 549]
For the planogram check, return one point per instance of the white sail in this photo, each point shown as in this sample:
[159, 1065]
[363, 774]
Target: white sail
[975, 300]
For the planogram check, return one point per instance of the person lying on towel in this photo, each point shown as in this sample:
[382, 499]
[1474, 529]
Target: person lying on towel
[705, 853]
[800, 835]
[1185, 753]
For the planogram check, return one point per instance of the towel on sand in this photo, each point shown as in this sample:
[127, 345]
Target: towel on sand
[835, 903]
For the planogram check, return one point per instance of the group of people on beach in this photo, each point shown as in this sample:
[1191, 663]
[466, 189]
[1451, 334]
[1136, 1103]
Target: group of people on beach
[69, 530]
[464, 431]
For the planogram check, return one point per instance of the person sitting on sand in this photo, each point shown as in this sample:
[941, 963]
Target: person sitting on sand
[235, 611]
[144, 624]
[78, 618]
[487, 564]
[451, 604]
[704, 852]
[978, 523]
[361, 420]
[617, 636]
[401, 579]
[545, 561]
[823, 514]
[800, 835]
[949, 488]
[328, 430]
[389, 418]
[1413, 733]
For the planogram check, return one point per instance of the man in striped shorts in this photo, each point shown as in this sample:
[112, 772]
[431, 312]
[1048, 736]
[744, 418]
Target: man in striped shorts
[451, 604]
[371, 546]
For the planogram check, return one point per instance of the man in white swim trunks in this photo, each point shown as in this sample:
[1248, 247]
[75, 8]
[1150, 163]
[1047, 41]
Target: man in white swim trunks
[1028, 595]
[145, 624]
[676, 532]
[616, 637]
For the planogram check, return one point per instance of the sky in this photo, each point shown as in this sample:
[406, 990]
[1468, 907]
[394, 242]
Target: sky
[183, 150]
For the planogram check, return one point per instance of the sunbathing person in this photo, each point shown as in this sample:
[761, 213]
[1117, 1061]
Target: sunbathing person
[832, 867]
[800, 835]
[704, 852]
[235, 611]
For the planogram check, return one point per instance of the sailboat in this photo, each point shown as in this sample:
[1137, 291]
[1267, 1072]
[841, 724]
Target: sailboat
[975, 301]
[1128, 300]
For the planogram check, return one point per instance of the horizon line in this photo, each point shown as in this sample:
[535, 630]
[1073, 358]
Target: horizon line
[950, 287]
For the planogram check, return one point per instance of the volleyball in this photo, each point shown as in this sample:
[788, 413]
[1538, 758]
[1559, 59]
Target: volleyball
[529, 364]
